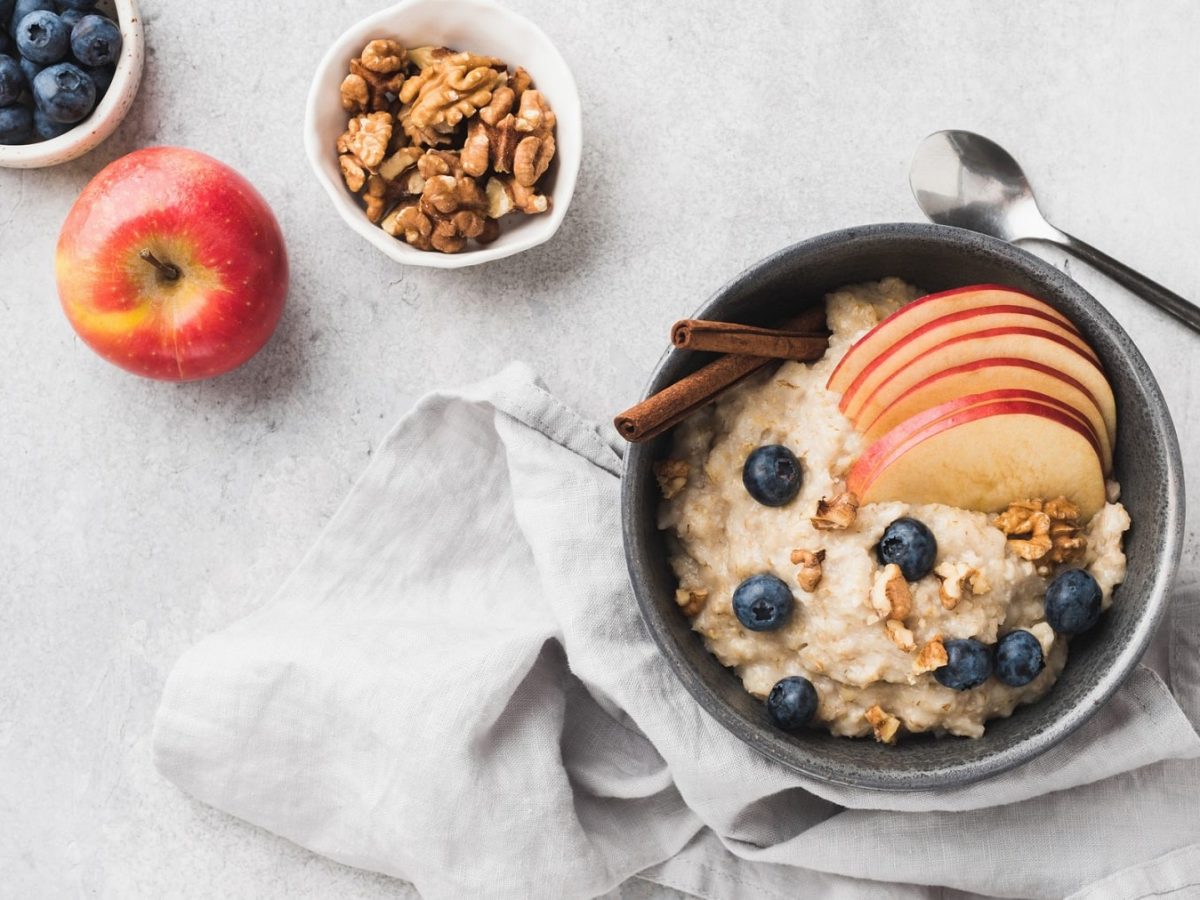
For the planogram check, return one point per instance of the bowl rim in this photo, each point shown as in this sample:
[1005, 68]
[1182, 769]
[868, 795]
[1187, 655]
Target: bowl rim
[105, 118]
[536, 232]
[638, 459]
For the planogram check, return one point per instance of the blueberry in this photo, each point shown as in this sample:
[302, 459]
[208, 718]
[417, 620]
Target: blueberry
[969, 665]
[909, 544]
[42, 37]
[762, 602]
[6, 11]
[102, 77]
[96, 41]
[792, 703]
[772, 475]
[12, 80]
[64, 93]
[1073, 602]
[1019, 658]
[71, 17]
[76, 5]
[16, 124]
[46, 128]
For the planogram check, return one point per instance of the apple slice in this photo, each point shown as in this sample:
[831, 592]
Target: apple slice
[920, 312]
[981, 376]
[1034, 345]
[937, 332]
[881, 451]
[986, 456]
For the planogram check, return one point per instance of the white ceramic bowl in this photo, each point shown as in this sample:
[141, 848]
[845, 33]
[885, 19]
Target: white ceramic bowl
[108, 113]
[481, 26]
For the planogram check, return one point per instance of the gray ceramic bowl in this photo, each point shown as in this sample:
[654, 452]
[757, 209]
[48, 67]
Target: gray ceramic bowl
[1147, 464]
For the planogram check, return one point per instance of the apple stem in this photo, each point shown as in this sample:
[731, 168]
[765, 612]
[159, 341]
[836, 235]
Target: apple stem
[166, 270]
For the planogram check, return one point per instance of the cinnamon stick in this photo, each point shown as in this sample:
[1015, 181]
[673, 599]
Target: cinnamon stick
[661, 411]
[729, 337]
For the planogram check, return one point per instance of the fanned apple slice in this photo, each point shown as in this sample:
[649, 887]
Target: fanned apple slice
[982, 376]
[939, 331]
[881, 451]
[1031, 344]
[924, 310]
[986, 456]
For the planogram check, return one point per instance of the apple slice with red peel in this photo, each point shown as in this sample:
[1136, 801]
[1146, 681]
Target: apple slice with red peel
[981, 376]
[986, 456]
[882, 450]
[922, 311]
[937, 332]
[1032, 344]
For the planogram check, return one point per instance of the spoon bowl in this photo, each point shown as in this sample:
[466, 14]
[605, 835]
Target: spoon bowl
[967, 181]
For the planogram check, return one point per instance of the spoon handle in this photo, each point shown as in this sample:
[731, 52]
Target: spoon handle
[1184, 310]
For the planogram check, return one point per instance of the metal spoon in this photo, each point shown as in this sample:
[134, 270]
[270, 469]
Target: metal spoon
[962, 179]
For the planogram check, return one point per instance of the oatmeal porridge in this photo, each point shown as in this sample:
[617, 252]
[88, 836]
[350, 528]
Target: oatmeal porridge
[877, 644]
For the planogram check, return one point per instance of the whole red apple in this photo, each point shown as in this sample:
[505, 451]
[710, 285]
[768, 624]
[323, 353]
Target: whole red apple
[171, 265]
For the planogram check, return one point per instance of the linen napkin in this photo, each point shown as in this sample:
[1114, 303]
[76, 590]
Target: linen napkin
[455, 688]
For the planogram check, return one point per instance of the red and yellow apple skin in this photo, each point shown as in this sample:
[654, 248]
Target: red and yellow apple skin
[150, 215]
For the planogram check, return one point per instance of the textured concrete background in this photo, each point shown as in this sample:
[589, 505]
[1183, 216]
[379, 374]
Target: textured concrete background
[136, 517]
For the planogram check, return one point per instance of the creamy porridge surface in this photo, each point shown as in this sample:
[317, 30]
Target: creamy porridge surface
[836, 638]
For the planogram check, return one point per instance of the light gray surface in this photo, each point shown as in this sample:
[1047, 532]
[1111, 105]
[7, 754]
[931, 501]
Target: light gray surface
[138, 517]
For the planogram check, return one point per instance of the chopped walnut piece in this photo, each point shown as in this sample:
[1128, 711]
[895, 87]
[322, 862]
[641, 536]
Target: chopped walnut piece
[423, 57]
[384, 56]
[954, 577]
[375, 197]
[837, 514]
[367, 138]
[890, 595]
[932, 656]
[353, 172]
[1067, 542]
[391, 222]
[355, 97]
[1043, 528]
[809, 573]
[691, 602]
[884, 724]
[535, 120]
[672, 476]
[507, 194]
[399, 162]
[451, 88]
[381, 89]
[900, 636]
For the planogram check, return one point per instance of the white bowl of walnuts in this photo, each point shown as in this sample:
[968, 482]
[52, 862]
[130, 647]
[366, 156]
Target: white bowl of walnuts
[446, 132]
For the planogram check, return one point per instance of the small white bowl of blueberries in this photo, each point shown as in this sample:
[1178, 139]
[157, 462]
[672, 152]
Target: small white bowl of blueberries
[69, 71]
